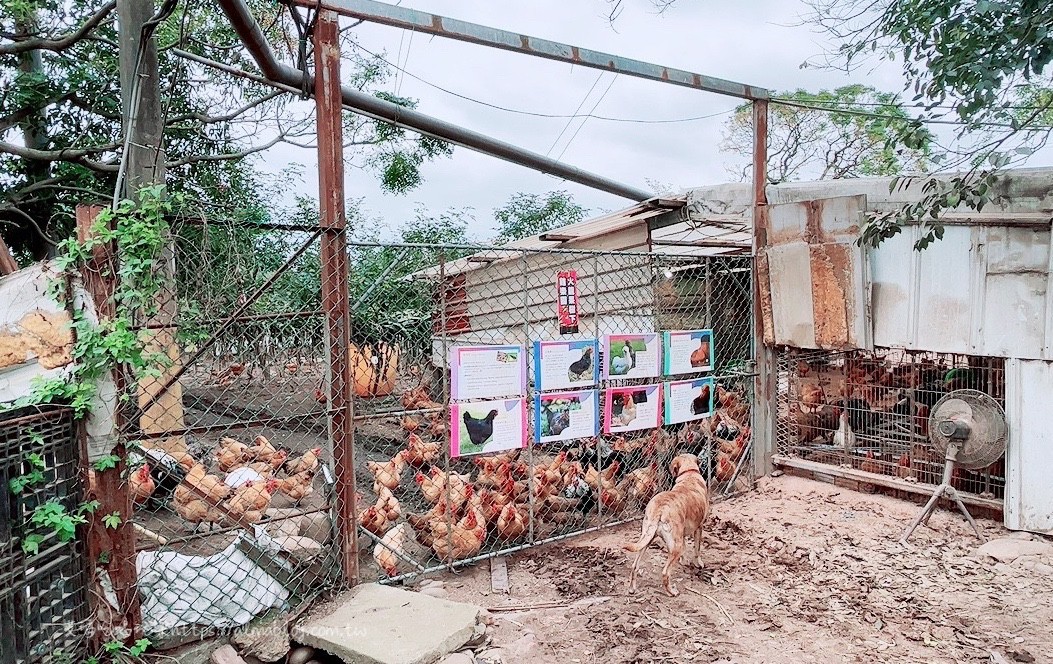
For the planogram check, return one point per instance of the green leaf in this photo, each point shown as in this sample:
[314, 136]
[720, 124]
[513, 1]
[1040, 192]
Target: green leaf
[107, 462]
[112, 520]
[31, 544]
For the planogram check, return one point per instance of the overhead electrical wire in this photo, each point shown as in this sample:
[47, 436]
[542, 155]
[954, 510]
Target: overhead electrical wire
[586, 118]
[575, 114]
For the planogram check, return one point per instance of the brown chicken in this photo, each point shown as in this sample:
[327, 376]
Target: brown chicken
[400, 539]
[216, 489]
[903, 466]
[735, 449]
[297, 487]
[388, 504]
[230, 454]
[197, 512]
[643, 483]
[389, 473]
[552, 472]
[870, 464]
[597, 479]
[430, 487]
[511, 523]
[410, 424]
[252, 499]
[460, 541]
[422, 523]
[725, 469]
[613, 499]
[420, 453]
[374, 520]
[141, 485]
[307, 461]
[261, 450]
[812, 397]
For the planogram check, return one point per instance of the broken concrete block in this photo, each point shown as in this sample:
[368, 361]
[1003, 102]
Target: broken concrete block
[302, 549]
[458, 658]
[491, 656]
[317, 526]
[1008, 549]
[375, 624]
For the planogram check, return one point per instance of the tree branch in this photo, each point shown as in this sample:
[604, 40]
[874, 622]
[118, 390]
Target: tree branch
[227, 156]
[63, 42]
[75, 155]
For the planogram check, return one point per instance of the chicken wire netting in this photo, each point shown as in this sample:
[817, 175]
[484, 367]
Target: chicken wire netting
[887, 396]
[442, 475]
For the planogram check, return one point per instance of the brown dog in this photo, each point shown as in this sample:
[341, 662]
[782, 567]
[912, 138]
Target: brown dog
[674, 515]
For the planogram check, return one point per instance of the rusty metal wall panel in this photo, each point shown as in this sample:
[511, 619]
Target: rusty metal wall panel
[945, 293]
[789, 267]
[1029, 464]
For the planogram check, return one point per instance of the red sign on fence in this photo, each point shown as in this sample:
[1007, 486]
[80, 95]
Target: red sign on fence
[567, 301]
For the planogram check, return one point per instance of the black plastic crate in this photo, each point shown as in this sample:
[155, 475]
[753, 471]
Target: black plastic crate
[43, 601]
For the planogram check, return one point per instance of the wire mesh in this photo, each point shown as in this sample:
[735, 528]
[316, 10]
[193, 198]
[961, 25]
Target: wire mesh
[421, 507]
[43, 598]
[887, 396]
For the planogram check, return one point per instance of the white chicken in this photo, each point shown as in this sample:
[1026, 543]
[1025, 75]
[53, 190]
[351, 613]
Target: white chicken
[844, 437]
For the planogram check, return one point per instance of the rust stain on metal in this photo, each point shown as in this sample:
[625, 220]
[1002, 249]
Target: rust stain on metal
[831, 267]
[524, 43]
[436, 22]
[696, 80]
[764, 295]
[665, 74]
[813, 221]
[575, 54]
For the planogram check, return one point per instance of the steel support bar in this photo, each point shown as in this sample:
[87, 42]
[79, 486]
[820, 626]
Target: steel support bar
[365, 104]
[441, 26]
[335, 280]
[764, 407]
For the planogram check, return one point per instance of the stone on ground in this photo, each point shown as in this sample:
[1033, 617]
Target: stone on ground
[1008, 549]
[226, 655]
[375, 624]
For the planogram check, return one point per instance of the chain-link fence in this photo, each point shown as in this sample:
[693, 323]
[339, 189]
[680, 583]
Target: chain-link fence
[235, 444]
[887, 396]
[444, 473]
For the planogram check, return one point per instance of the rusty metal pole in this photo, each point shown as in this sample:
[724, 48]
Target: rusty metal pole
[764, 389]
[111, 549]
[328, 105]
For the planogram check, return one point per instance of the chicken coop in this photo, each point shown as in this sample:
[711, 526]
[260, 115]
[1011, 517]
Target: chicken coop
[883, 333]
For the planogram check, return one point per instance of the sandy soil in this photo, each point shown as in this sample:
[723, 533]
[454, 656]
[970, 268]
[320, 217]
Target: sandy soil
[798, 571]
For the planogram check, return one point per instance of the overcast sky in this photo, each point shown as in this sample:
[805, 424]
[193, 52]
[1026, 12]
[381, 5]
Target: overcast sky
[758, 42]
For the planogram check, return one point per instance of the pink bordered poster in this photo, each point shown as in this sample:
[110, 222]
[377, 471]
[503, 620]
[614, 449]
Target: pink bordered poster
[483, 427]
[487, 372]
[632, 408]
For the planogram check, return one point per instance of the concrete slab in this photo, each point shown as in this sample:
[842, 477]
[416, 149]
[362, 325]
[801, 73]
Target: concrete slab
[375, 624]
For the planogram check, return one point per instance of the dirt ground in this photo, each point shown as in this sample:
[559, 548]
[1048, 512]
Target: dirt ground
[798, 571]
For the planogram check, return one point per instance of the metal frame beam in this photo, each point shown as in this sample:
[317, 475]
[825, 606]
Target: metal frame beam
[441, 26]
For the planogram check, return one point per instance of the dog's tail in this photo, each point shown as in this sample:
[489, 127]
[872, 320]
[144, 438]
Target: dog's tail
[646, 537]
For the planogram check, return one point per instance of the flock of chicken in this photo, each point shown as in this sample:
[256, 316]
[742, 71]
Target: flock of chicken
[249, 476]
[494, 499]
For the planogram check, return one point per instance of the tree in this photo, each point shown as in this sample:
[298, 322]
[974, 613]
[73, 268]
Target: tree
[526, 215]
[842, 133]
[982, 64]
[60, 113]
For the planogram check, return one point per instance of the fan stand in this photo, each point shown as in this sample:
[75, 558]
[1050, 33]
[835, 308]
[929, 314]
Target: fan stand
[958, 430]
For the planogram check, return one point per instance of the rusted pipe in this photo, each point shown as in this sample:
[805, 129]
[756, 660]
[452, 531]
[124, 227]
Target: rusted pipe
[365, 104]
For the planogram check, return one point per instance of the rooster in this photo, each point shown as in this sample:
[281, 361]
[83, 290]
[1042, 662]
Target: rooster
[141, 485]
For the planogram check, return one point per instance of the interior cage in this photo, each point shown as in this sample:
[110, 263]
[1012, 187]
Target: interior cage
[887, 395]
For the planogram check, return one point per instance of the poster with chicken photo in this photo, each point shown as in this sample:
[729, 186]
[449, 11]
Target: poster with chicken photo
[482, 427]
[563, 416]
[687, 352]
[687, 400]
[631, 356]
[487, 372]
[632, 408]
[560, 365]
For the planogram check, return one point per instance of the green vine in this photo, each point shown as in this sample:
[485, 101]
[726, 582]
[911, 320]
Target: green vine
[138, 232]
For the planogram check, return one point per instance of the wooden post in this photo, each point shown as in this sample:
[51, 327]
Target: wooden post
[109, 549]
[328, 105]
[764, 398]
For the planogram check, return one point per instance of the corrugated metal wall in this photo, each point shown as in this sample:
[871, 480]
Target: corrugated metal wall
[1029, 459]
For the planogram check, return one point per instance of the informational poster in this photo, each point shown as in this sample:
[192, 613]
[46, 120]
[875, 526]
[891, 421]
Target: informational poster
[559, 365]
[487, 372]
[562, 416]
[487, 426]
[690, 351]
[632, 408]
[687, 400]
[631, 356]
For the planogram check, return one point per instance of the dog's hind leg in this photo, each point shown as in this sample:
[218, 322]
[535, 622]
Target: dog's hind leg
[697, 537]
[632, 571]
[667, 579]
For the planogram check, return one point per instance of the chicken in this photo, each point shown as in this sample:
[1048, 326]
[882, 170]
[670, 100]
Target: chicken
[437, 428]
[306, 461]
[812, 397]
[399, 539]
[903, 466]
[725, 469]
[388, 504]
[597, 479]
[621, 364]
[412, 399]
[643, 483]
[490, 476]
[613, 499]
[459, 541]
[252, 499]
[374, 520]
[552, 471]
[511, 523]
[263, 468]
[420, 453]
[582, 366]
[298, 486]
[215, 487]
[197, 512]
[231, 454]
[261, 450]
[422, 523]
[844, 437]
[870, 464]
[479, 430]
[388, 474]
[141, 485]
[736, 448]
[700, 356]
[492, 502]
[410, 425]
[430, 486]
